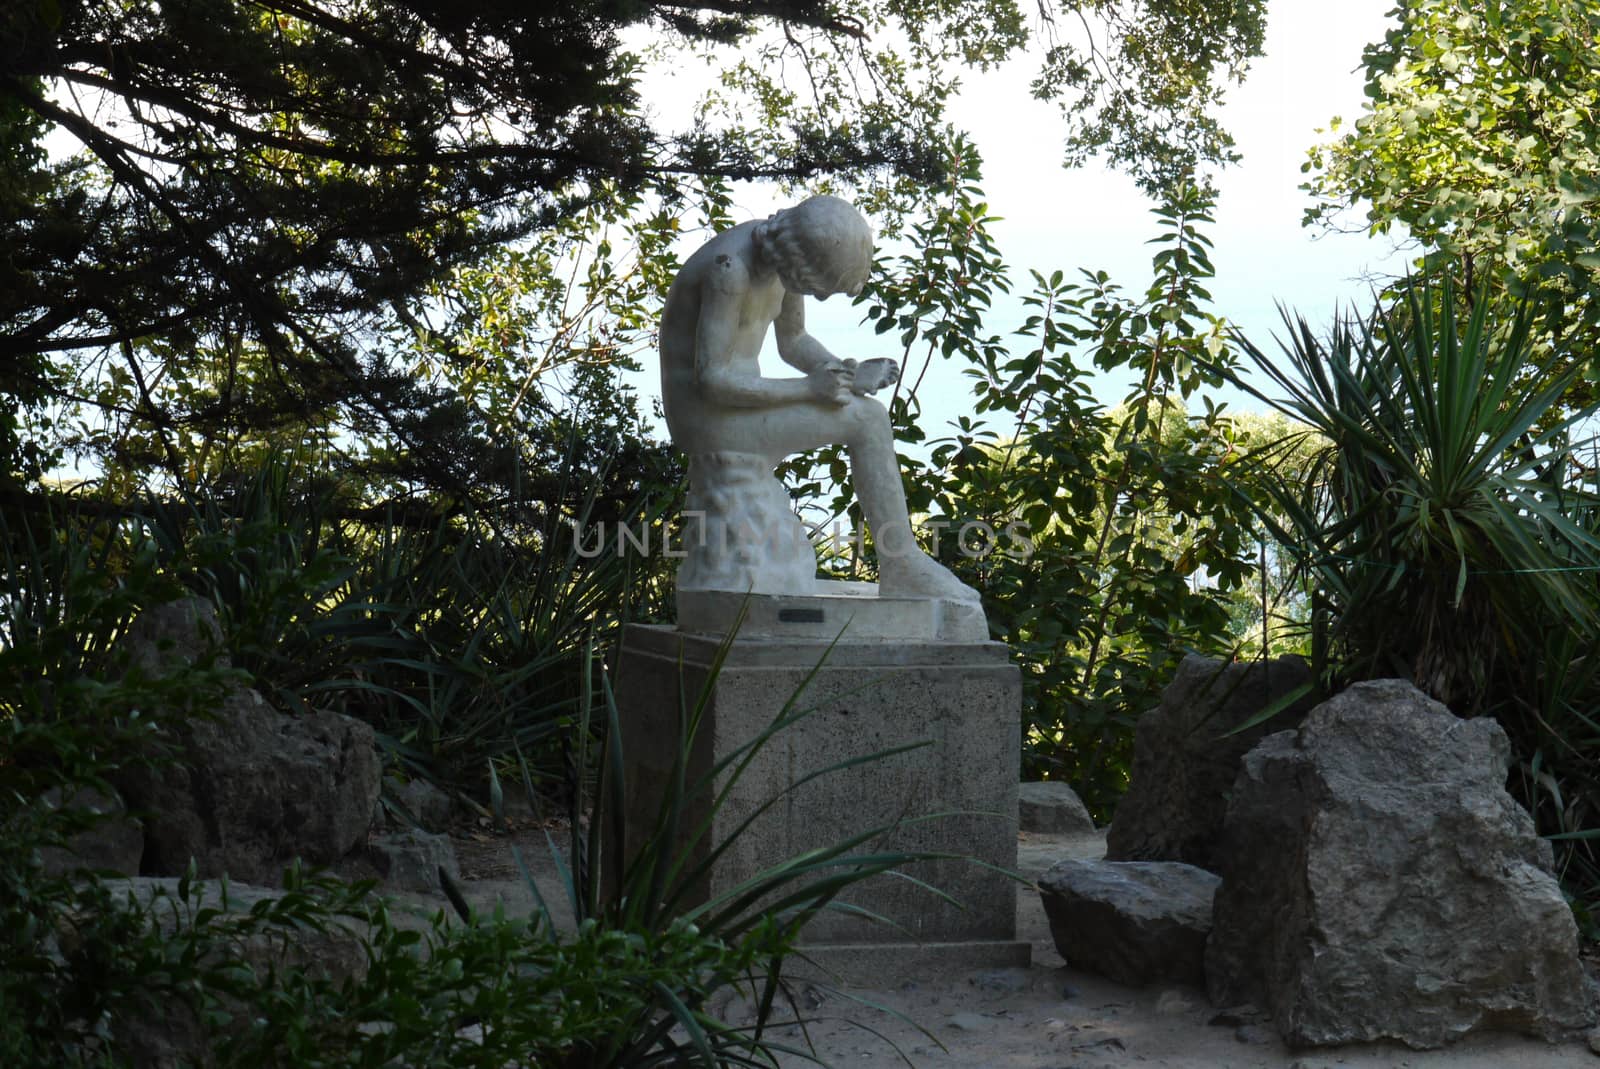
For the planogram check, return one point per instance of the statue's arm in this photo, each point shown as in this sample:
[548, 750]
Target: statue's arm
[725, 381]
[797, 348]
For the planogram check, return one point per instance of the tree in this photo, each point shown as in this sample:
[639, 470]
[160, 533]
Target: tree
[1481, 139]
[267, 184]
[1108, 542]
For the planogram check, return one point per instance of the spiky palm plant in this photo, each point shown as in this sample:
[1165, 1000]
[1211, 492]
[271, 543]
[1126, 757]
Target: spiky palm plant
[1441, 526]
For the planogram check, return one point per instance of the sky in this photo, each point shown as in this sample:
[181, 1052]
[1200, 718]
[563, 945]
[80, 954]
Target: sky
[1096, 218]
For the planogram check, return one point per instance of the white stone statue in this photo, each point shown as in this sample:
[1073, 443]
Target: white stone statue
[736, 425]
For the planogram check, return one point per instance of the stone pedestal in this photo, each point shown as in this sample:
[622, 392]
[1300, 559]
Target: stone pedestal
[962, 699]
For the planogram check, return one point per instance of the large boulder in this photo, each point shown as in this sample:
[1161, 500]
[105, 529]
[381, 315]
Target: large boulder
[245, 788]
[1184, 760]
[1135, 922]
[252, 788]
[1379, 883]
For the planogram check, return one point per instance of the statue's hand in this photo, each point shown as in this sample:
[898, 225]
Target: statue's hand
[873, 375]
[832, 381]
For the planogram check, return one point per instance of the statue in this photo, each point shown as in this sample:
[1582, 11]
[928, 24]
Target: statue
[736, 425]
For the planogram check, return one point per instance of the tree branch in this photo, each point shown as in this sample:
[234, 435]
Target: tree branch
[778, 12]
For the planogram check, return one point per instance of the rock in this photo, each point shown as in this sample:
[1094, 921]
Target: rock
[1136, 922]
[252, 788]
[174, 635]
[1174, 1002]
[247, 788]
[1184, 761]
[1594, 1041]
[1378, 883]
[427, 803]
[113, 842]
[1051, 806]
[410, 860]
[175, 1036]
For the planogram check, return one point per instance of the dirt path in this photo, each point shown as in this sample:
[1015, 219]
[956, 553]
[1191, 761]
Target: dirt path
[1047, 1016]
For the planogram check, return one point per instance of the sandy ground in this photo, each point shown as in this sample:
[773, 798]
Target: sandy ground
[1047, 1016]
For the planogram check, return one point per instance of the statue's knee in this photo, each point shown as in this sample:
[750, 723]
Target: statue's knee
[868, 415]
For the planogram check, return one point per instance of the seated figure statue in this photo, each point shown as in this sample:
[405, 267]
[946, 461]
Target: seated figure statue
[736, 425]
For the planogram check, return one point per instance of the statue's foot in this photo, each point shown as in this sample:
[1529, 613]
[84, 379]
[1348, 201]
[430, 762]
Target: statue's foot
[917, 575]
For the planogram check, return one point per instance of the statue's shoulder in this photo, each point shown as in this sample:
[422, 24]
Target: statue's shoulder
[727, 262]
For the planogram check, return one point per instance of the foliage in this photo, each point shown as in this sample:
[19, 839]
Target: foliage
[461, 644]
[1126, 509]
[97, 976]
[23, 379]
[1446, 527]
[459, 637]
[71, 706]
[1154, 120]
[1480, 140]
[1269, 610]
[73, 711]
[1114, 545]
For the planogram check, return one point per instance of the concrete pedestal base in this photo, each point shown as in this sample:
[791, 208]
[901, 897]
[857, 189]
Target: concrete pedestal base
[963, 700]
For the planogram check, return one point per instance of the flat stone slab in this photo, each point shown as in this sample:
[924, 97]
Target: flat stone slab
[1135, 922]
[854, 609]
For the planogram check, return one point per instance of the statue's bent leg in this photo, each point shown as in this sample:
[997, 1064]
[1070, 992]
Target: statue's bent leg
[903, 568]
[862, 427]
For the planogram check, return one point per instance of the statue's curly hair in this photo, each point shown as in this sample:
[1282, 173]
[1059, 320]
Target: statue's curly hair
[793, 237]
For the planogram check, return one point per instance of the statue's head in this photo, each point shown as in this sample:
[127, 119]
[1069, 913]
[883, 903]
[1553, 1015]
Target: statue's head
[819, 247]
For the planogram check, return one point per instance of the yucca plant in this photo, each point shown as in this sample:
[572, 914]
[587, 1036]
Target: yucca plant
[1439, 524]
[1444, 533]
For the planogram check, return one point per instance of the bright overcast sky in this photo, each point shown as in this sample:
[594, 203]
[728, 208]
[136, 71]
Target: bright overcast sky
[1092, 217]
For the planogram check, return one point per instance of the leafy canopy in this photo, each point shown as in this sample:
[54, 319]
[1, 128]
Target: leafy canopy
[1480, 139]
[287, 176]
